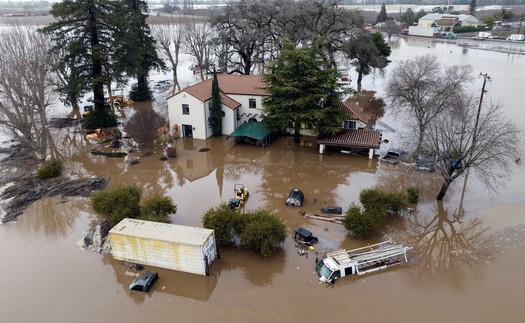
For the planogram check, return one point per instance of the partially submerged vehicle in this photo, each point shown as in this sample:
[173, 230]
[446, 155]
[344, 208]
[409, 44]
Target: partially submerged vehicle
[295, 198]
[393, 156]
[332, 209]
[305, 237]
[235, 203]
[241, 192]
[361, 261]
[144, 282]
[426, 161]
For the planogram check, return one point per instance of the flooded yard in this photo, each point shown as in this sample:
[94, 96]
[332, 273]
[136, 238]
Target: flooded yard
[466, 265]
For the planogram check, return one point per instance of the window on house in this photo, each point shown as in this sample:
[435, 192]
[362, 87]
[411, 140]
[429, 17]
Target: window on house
[253, 104]
[185, 109]
[350, 125]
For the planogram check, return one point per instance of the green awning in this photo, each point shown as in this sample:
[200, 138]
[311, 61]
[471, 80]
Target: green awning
[253, 130]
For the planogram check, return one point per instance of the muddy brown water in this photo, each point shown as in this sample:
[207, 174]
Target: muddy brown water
[467, 264]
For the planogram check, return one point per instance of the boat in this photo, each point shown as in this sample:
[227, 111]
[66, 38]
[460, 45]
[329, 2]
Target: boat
[361, 261]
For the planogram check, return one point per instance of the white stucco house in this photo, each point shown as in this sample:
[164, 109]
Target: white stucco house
[241, 99]
[432, 24]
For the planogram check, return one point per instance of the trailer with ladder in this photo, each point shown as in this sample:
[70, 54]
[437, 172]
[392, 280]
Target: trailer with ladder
[361, 261]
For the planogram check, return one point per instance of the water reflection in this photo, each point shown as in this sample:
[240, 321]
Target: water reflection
[170, 282]
[447, 242]
[256, 270]
[55, 217]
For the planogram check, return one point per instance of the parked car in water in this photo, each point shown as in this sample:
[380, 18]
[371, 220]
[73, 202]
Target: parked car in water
[426, 161]
[144, 282]
[295, 198]
[393, 156]
[305, 237]
[332, 209]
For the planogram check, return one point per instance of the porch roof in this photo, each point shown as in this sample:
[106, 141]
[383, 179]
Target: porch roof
[358, 138]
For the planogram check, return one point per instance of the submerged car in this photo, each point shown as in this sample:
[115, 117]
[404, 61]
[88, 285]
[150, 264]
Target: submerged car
[144, 282]
[235, 203]
[305, 237]
[295, 198]
[332, 209]
[426, 161]
[393, 156]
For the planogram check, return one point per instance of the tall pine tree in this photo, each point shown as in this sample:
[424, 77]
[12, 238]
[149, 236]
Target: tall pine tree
[84, 32]
[215, 119]
[139, 54]
[302, 91]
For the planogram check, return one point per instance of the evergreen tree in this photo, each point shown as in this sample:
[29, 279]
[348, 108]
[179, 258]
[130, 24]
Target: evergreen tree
[472, 7]
[408, 17]
[139, 55]
[215, 119]
[382, 14]
[84, 32]
[419, 15]
[302, 92]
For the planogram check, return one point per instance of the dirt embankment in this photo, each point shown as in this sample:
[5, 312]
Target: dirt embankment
[19, 187]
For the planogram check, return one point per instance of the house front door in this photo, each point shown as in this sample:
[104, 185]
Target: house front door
[187, 130]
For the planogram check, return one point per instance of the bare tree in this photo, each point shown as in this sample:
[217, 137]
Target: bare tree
[196, 42]
[421, 89]
[247, 27]
[391, 28]
[487, 148]
[169, 38]
[26, 90]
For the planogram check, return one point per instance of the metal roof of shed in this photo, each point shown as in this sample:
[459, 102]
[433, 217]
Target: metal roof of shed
[162, 231]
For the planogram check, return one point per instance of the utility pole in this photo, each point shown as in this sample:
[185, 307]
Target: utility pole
[475, 134]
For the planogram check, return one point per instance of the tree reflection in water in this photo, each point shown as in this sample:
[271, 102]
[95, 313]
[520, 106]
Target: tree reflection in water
[445, 242]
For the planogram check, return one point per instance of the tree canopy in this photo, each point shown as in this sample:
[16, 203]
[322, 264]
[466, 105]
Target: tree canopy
[302, 91]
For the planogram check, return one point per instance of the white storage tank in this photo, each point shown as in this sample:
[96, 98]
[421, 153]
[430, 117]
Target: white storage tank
[164, 245]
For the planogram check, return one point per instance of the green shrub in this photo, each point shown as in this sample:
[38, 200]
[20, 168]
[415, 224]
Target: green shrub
[466, 29]
[258, 230]
[100, 119]
[158, 208]
[395, 202]
[413, 195]
[117, 204]
[50, 168]
[378, 199]
[224, 221]
[263, 232]
[362, 222]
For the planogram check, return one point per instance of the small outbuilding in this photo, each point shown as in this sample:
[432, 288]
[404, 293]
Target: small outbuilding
[170, 246]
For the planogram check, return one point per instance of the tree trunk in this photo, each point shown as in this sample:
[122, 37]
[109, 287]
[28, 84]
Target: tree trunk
[444, 189]
[420, 139]
[98, 83]
[176, 85]
[359, 76]
[297, 133]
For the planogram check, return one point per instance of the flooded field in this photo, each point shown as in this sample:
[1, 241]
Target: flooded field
[466, 265]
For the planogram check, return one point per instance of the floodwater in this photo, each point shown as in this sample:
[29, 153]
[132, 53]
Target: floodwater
[466, 265]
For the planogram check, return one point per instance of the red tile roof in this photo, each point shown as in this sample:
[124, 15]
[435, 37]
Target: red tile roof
[228, 84]
[360, 138]
[356, 111]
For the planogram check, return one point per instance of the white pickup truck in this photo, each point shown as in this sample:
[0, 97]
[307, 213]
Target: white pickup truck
[516, 37]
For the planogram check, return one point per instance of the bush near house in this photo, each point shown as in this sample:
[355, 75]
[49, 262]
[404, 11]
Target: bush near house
[466, 29]
[100, 119]
[376, 205]
[50, 168]
[257, 230]
[124, 202]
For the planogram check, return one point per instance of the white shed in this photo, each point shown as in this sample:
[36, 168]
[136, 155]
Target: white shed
[171, 246]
